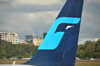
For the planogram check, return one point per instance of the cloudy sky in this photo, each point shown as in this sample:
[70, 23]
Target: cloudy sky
[27, 17]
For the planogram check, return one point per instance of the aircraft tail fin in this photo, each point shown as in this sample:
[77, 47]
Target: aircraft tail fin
[60, 44]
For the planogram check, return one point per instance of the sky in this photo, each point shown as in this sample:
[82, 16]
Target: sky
[27, 17]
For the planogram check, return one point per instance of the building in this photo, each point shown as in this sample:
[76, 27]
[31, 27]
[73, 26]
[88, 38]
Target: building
[44, 34]
[28, 38]
[97, 39]
[24, 42]
[37, 41]
[10, 37]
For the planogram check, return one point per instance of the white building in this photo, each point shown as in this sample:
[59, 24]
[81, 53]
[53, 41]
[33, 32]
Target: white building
[97, 39]
[10, 37]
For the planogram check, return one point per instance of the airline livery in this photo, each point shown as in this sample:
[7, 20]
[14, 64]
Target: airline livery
[60, 44]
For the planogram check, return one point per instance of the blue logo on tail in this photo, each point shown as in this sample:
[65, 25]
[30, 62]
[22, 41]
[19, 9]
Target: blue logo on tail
[53, 39]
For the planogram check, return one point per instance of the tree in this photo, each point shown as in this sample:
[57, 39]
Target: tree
[2, 54]
[81, 54]
[89, 49]
[8, 50]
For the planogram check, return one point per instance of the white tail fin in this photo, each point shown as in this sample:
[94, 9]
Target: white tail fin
[14, 62]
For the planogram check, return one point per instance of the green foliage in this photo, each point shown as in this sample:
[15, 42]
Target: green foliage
[89, 50]
[81, 54]
[8, 50]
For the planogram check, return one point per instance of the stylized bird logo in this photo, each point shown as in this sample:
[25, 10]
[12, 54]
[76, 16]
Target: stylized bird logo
[53, 37]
